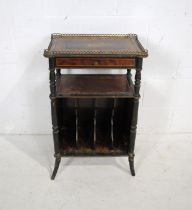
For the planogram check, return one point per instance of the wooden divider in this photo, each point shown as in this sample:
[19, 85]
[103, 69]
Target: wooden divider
[76, 123]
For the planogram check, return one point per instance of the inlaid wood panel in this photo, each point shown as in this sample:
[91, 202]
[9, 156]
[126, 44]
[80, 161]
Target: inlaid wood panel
[95, 62]
[97, 86]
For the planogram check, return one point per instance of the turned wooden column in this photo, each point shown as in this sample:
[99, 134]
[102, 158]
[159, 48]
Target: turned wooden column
[55, 127]
[133, 128]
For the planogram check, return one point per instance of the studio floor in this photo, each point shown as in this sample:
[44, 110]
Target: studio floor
[163, 165]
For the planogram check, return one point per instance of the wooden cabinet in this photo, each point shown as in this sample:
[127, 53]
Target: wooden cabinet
[94, 114]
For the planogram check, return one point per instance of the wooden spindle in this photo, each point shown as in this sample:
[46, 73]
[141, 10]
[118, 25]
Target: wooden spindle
[55, 125]
[58, 72]
[129, 78]
[133, 126]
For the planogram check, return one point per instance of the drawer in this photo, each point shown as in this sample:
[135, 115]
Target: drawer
[95, 62]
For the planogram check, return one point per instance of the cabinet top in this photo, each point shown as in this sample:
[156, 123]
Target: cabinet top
[95, 45]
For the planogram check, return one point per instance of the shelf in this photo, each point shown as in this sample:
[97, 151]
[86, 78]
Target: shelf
[99, 151]
[90, 126]
[93, 86]
[86, 148]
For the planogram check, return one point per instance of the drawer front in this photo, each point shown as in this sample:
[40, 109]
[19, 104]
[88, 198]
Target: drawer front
[95, 62]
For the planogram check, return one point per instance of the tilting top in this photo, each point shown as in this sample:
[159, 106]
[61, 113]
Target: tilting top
[95, 45]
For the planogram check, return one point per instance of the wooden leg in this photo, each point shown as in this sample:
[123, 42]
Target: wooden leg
[131, 164]
[133, 129]
[54, 107]
[133, 136]
[55, 137]
[57, 162]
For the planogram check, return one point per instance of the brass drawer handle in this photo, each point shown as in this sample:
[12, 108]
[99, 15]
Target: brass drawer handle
[95, 63]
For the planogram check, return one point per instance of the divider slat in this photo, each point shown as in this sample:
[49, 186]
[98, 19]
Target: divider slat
[95, 125]
[112, 122]
[76, 123]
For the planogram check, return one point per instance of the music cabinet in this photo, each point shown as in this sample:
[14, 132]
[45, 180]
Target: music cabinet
[94, 114]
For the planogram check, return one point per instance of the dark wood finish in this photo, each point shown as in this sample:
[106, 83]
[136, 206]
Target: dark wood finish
[94, 115]
[134, 116]
[58, 72]
[77, 124]
[54, 115]
[97, 86]
[95, 62]
[56, 167]
[98, 151]
[94, 125]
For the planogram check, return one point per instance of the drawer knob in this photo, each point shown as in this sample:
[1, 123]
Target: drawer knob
[96, 63]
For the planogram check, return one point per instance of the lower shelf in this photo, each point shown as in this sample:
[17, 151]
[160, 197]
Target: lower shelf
[85, 143]
[90, 127]
[98, 152]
